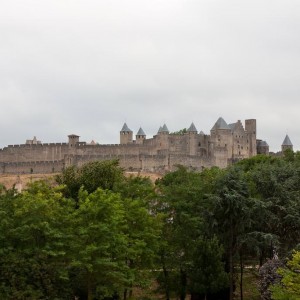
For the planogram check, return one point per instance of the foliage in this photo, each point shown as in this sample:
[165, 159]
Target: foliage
[179, 132]
[34, 238]
[92, 175]
[99, 245]
[186, 243]
[191, 230]
[289, 287]
[207, 273]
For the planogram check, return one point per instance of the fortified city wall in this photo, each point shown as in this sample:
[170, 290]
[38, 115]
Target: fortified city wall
[225, 144]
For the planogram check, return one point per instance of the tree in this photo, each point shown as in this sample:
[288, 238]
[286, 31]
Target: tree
[34, 241]
[207, 274]
[289, 287]
[186, 238]
[92, 175]
[231, 214]
[100, 245]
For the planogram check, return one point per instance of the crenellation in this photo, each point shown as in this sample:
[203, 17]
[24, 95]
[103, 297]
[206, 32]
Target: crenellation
[225, 144]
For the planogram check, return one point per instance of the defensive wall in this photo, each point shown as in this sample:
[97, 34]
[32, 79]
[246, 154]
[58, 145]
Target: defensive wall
[161, 153]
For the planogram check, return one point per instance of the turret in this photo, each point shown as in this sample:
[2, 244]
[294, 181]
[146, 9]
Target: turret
[220, 147]
[192, 129]
[163, 137]
[125, 135]
[163, 130]
[140, 136]
[250, 127]
[73, 139]
[262, 147]
[192, 139]
[286, 144]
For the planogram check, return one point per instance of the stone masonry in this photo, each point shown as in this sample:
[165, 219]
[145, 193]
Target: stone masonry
[225, 144]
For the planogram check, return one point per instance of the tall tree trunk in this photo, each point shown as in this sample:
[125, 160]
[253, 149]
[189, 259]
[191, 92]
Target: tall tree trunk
[89, 288]
[231, 260]
[125, 294]
[242, 273]
[166, 276]
[183, 281]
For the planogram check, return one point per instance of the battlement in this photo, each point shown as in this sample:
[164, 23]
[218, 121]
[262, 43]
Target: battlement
[226, 142]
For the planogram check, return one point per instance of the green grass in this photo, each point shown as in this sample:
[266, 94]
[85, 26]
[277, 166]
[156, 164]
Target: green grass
[250, 288]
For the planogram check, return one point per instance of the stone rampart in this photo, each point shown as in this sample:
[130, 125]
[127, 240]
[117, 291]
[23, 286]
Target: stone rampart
[37, 167]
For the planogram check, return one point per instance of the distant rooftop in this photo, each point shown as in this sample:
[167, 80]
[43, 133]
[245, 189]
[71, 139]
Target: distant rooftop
[192, 128]
[287, 141]
[125, 128]
[141, 132]
[220, 124]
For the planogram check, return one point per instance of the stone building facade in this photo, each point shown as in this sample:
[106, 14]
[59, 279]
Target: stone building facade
[225, 144]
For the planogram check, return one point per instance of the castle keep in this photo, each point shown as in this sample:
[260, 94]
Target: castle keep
[225, 144]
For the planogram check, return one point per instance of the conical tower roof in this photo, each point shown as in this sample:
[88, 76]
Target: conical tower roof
[192, 128]
[287, 141]
[125, 128]
[201, 133]
[164, 128]
[220, 124]
[141, 132]
[159, 129]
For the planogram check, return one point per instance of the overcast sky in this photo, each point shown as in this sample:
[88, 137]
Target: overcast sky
[86, 67]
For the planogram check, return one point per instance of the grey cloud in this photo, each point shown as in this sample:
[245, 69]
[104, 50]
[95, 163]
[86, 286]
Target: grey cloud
[86, 67]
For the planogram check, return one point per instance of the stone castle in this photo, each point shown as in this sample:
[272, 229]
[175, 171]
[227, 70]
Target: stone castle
[226, 144]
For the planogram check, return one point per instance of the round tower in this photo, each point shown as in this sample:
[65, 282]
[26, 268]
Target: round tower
[192, 136]
[140, 136]
[262, 147]
[286, 144]
[125, 135]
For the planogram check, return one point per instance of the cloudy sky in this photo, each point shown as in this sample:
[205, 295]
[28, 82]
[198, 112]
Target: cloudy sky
[87, 66]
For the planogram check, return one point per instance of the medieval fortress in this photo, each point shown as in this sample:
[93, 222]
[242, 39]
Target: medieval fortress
[225, 144]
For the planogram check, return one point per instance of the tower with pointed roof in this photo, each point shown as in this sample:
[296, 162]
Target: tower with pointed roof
[226, 143]
[126, 135]
[140, 136]
[164, 130]
[192, 139]
[286, 144]
[220, 143]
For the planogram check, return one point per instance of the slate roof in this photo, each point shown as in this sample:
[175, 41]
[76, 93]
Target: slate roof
[263, 144]
[125, 128]
[192, 128]
[164, 128]
[201, 132]
[141, 132]
[220, 124]
[159, 129]
[287, 141]
[231, 126]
